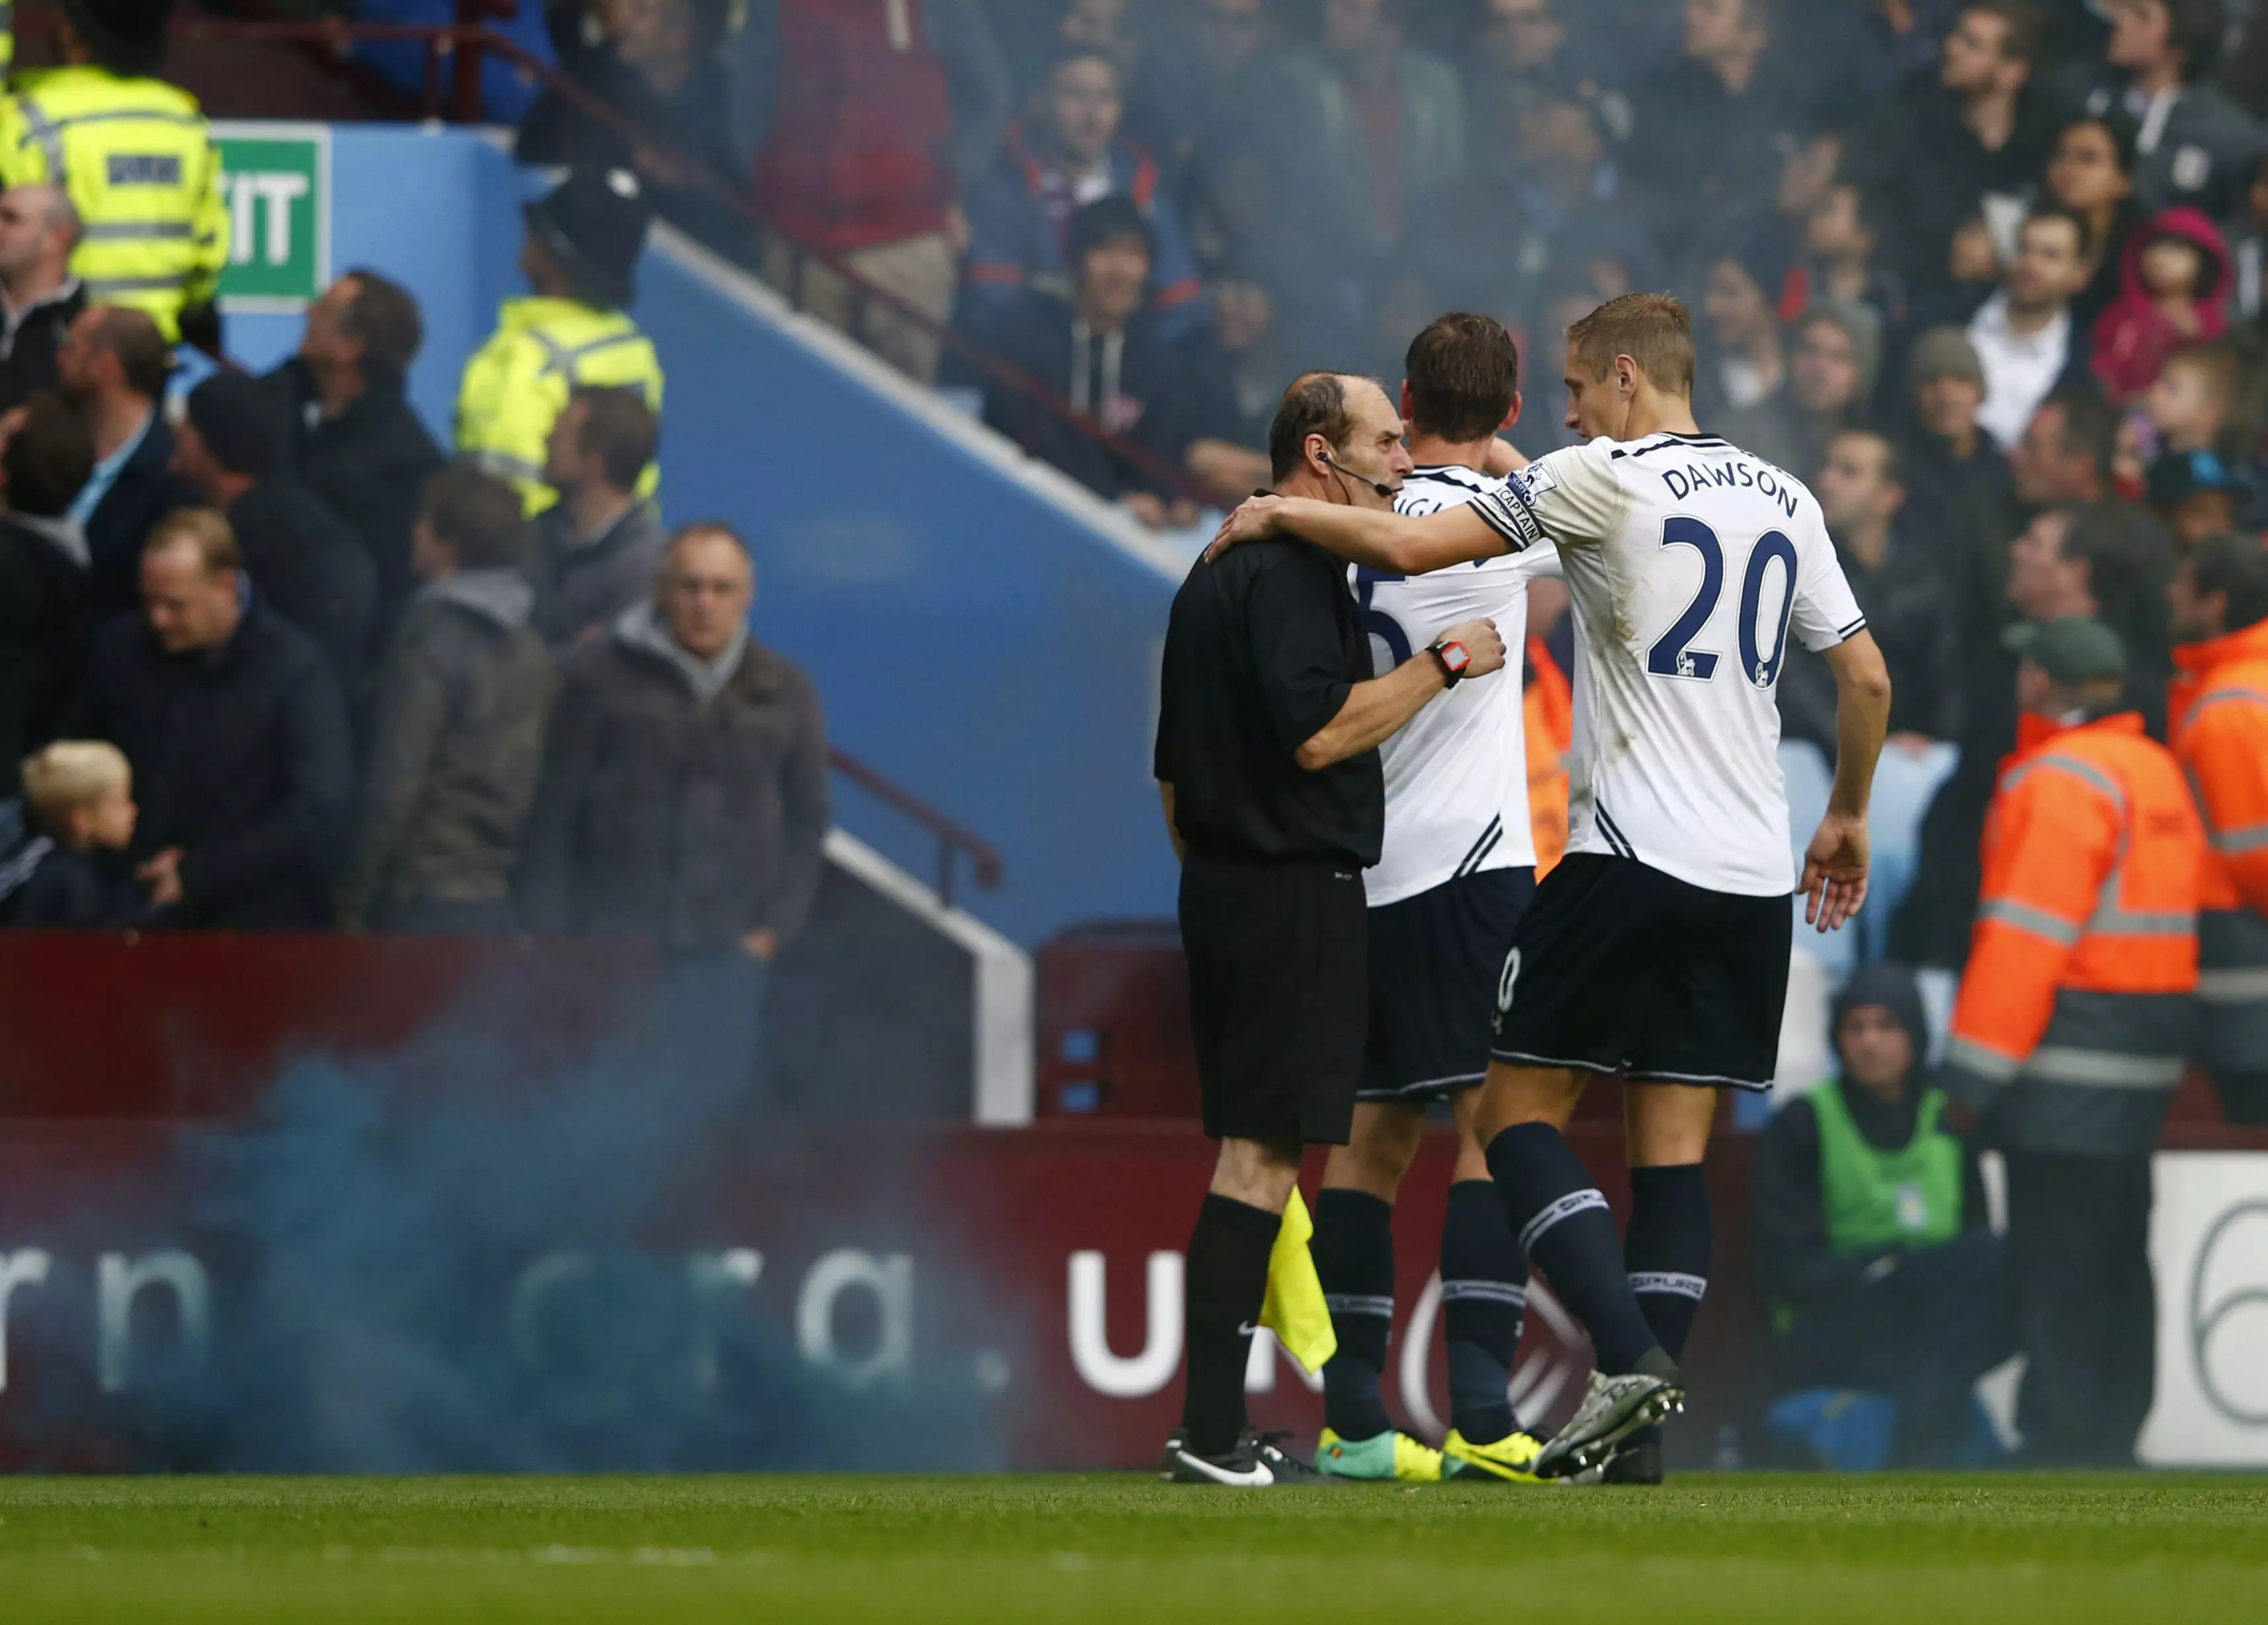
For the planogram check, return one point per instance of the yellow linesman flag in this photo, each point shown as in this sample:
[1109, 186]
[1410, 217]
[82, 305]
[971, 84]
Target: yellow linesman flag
[1294, 1309]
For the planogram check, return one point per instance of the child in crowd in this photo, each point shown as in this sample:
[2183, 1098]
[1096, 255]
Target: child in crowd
[2174, 288]
[2181, 448]
[68, 872]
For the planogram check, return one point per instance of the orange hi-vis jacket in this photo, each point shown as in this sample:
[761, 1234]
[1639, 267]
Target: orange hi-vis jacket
[2218, 706]
[2077, 998]
[1549, 707]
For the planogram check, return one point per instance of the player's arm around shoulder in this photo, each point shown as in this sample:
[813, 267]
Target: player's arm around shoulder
[1398, 544]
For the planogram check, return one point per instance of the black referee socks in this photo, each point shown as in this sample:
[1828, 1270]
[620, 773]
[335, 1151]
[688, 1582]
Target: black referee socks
[1484, 1298]
[1666, 1249]
[1354, 1258]
[1564, 1225]
[1224, 1284]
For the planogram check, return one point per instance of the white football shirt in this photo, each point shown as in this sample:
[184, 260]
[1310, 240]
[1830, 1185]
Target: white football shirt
[1456, 773]
[1689, 562]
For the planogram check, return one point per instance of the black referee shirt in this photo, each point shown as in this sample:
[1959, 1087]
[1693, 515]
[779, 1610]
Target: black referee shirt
[1262, 648]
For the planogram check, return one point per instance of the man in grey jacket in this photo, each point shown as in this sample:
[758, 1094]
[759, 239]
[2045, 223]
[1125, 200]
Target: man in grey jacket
[598, 548]
[458, 735]
[684, 791]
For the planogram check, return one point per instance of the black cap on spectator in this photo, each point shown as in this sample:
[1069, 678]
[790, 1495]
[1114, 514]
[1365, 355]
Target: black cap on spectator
[241, 423]
[125, 36]
[594, 222]
[2174, 477]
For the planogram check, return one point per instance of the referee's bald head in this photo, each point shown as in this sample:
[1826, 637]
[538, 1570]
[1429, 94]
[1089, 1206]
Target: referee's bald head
[1316, 403]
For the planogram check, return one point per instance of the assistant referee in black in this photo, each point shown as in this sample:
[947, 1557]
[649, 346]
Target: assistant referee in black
[1267, 761]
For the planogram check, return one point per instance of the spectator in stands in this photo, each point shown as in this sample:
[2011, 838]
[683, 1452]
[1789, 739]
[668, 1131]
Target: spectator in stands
[45, 455]
[39, 298]
[356, 441]
[1842, 234]
[2115, 559]
[2197, 147]
[1566, 220]
[1969, 132]
[1208, 58]
[1711, 123]
[2193, 405]
[458, 731]
[2092, 175]
[1951, 465]
[1743, 363]
[657, 64]
[2062, 465]
[233, 724]
[113, 366]
[1398, 124]
[1527, 52]
[1872, 1231]
[1330, 156]
[2067, 448]
[1068, 156]
[68, 870]
[1115, 361]
[598, 547]
[684, 793]
[2195, 495]
[866, 122]
[2024, 335]
[579, 255]
[2174, 283]
[1861, 492]
[302, 558]
[2247, 240]
[1830, 378]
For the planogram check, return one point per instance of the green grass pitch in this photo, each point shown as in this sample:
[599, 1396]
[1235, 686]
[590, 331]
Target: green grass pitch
[1748, 1548]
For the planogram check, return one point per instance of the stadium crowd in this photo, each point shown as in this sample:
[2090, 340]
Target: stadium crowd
[1987, 276]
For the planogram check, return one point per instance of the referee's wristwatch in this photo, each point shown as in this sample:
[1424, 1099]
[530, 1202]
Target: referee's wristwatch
[1454, 657]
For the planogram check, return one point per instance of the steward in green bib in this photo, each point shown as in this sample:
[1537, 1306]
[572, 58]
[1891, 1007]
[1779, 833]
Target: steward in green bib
[1872, 1229]
[137, 159]
[582, 246]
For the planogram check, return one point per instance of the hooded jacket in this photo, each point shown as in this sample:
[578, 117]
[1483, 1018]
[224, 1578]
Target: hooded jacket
[681, 800]
[2133, 337]
[457, 739]
[1800, 1267]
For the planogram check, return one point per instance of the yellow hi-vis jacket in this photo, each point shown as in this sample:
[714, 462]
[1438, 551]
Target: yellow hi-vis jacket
[517, 384]
[138, 160]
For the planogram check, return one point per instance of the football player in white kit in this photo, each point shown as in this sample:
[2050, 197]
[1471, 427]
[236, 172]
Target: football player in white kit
[1658, 949]
[1456, 871]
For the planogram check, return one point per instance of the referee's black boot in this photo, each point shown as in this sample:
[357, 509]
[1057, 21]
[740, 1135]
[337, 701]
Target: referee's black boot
[1257, 1462]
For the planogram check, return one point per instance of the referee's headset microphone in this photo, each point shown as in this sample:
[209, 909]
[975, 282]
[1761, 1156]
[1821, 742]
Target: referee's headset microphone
[1341, 469]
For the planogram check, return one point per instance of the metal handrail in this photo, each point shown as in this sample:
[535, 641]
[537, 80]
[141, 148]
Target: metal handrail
[950, 837]
[462, 44]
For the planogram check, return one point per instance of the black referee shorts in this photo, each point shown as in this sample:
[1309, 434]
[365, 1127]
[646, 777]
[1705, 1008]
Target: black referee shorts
[1278, 955]
[1618, 966]
[1435, 961]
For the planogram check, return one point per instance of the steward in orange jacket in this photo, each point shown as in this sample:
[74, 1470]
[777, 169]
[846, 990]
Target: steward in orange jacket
[2219, 710]
[2084, 957]
[2073, 1025]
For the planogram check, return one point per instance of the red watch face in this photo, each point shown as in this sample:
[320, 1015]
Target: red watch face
[1455, 657]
